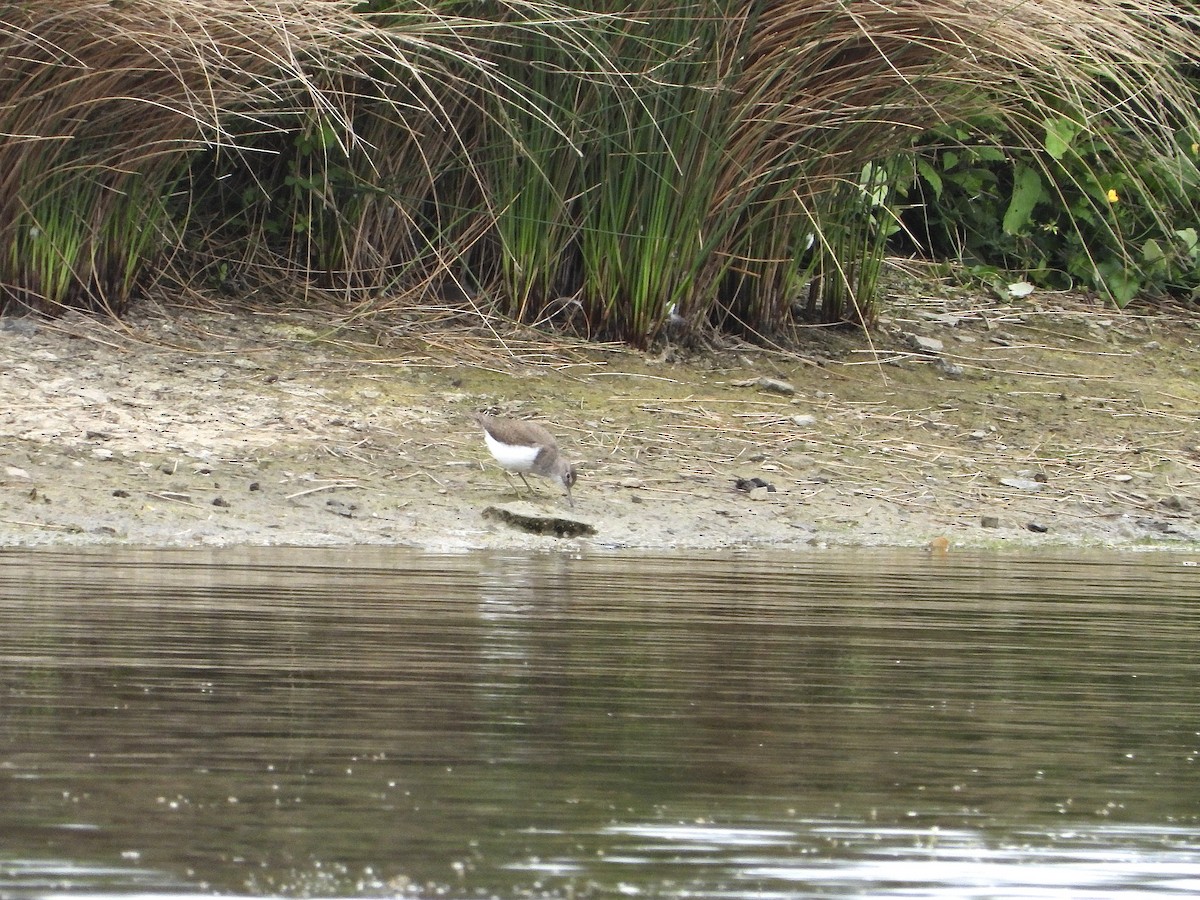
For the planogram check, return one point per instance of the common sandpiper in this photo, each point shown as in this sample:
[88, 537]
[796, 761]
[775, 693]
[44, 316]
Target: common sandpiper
[526, 448]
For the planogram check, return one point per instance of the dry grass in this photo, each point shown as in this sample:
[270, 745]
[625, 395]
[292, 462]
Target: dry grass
[303, 144]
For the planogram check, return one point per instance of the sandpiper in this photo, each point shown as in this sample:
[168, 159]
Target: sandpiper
[526, 448]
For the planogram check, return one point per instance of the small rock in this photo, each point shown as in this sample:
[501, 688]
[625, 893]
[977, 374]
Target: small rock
[1152, 345]
[14, 472]
[341, 508]
[924, 344]
[120, 492]
[255, 486]
[775, 386]
[949, 369]
[102, 453]
[221, 502]
[760, 493]
[989, 521]
[804, 420]
[1037, 527]
[22, 325]
[753, 484]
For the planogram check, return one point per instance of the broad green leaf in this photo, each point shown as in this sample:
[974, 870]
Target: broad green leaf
[1119, 282]
[988, 153]
[930, 174]
[1060, 133]
[1027, 191]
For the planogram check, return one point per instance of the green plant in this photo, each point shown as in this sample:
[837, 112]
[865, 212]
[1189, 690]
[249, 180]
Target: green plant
[1082, 205]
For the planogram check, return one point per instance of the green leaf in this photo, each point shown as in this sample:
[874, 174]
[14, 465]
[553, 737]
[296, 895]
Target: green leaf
[931, 176]
[1060, 133]
[988, 153]
[1121, 284]
[1027, 191]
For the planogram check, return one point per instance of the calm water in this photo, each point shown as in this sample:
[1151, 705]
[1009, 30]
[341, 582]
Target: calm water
[381, 723]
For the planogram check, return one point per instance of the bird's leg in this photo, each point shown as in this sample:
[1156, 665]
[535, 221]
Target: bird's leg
[512, 484]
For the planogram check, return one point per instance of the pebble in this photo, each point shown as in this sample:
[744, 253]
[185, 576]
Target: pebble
[804, 420]
[989, 521]
[775, 386]
[752, 484]
[924, 344]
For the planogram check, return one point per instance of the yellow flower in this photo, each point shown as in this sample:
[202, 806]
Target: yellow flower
[1195, 148]
[1112, 195]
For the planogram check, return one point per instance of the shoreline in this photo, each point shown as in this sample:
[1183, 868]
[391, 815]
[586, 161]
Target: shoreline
[1050, 423]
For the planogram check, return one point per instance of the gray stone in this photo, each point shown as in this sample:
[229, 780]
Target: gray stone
[925, 344]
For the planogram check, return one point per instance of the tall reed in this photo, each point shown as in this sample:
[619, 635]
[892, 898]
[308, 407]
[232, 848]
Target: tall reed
[609, 166]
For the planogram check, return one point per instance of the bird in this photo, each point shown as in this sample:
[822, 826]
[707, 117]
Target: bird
[526, 448]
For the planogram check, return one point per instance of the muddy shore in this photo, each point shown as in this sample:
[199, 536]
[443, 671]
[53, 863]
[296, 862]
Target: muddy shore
[960, 421]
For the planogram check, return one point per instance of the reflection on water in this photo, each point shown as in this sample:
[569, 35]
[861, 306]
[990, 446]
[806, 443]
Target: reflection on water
[373, 722]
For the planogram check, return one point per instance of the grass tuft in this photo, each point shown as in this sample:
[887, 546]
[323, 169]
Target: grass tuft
[616, 170]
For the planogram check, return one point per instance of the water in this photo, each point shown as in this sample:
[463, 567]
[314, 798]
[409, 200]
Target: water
[383, 723]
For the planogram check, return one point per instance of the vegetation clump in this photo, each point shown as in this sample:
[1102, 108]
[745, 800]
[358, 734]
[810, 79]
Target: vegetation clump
[614, 169]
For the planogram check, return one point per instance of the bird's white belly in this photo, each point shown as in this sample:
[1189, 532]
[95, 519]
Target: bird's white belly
[515, 458]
